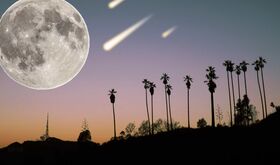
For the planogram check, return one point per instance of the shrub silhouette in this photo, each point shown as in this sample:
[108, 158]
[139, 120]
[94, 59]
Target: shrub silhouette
[84, 136]
[201, 123]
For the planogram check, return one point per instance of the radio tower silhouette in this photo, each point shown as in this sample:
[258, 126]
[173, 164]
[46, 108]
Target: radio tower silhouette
[47, 126]
[46, 135]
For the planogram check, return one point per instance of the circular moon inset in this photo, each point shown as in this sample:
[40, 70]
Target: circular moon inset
[43, 43]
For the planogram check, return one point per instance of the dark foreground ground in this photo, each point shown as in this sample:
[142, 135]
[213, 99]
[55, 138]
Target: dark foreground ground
[258, 144]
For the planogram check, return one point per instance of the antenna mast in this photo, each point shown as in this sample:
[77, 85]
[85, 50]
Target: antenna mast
[47, 127]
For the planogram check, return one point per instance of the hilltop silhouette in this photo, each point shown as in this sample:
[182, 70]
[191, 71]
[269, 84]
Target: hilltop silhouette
[258, 143]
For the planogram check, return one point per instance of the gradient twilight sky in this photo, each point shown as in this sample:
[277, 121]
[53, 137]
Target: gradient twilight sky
[208, 33]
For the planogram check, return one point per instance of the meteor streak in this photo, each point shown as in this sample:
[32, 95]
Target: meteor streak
[115, 3]
[109, 45]
[168, 32]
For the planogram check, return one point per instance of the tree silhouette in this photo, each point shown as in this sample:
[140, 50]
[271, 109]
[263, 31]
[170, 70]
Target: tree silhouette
[211, 76]
[257, 69]
[85, 133]
[243, 66]
[159, 126]
[244, 111]
[113, 99]
[165, 78]
[219, 115]
[277, 108]
[231, 69]
[84, 136]
[238, 72]
[143, 129]
[201, 123]
[227, 65]
[262, 61]
[168, 91]
[176, 124]
[146, 87]
[130, 129]
[188, 81]
[122, 135]
[152, 87]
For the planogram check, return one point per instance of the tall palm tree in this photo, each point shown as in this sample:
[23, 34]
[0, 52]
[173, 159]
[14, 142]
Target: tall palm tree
[152, 91]
[188, 81]
[257, 68]
[231, 69]
[243, 66]
[238, 72]
[165, 78]
[113, 99]
[168, 91]
[211, 76]
[227, 64]
[146, 87]
[262, 62]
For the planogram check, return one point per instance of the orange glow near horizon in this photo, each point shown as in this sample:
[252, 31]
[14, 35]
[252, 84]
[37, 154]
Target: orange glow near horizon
[27, 124]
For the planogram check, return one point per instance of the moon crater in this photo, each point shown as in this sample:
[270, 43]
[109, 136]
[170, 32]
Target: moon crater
[43, 43]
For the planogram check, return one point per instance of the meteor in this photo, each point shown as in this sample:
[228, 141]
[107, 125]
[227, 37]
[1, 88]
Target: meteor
[115, 3]
[109, 45]
[168, 32]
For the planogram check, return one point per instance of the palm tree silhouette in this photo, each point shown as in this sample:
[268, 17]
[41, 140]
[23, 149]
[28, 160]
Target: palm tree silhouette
[238, 72]
[211, 76]
[231, 69]
[168, 91]
[146, 86]
[243, 66]
[262, 62]
[227, 65]
[152, 87]
[112, 99]
[257, 68]
[165, 79]
[188, 81]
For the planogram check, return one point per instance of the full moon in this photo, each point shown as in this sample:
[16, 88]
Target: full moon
[43, 43]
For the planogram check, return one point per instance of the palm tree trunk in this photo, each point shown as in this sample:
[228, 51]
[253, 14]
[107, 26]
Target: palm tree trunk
[233, 97]
[115, 135]
[148, 111]
[264, 96]
[238, 87]
[258, 79]
[212, 109]
[152, 109]
[166, 108]
[188, 108]
[245, 83]
[171, 124]
[229, 96]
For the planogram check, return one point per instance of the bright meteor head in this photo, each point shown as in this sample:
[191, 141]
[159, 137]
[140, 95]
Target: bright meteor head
[168, 32]
[109, 45]
[115, 3]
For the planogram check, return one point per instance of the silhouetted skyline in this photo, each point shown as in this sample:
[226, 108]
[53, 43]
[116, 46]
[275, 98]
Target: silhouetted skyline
[208, 33]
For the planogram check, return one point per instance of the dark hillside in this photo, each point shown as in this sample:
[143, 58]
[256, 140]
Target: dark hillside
[255, 144]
